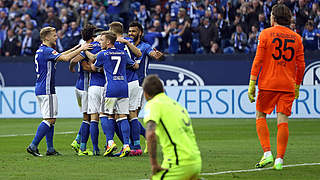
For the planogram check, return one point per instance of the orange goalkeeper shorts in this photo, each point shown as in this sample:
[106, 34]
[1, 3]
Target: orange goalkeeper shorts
[267, 100]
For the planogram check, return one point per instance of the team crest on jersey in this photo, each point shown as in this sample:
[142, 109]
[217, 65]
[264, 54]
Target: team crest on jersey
[54, 52]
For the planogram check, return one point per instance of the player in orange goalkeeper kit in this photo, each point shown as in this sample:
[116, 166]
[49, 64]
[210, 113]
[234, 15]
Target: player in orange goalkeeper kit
[280, 62]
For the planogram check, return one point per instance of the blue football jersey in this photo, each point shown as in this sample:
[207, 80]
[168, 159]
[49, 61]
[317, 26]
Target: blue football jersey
[83, 78]
[114, 62]
[45, 65]
[131, 73]
[96, 78]
[143, 61]
[311, 39]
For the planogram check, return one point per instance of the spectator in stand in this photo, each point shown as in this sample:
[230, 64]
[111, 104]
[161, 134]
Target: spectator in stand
[229, 12]
[301, 16]
[257, 6]
[30, 7]
[167, 20]
[175, 38]
[42, 6]
[215, 49]
[313, 13]
[102, 18]
[262, 22]
[252, 17]
[253, 39]
[186, 39]
[63, 17]
[196, 11]
[158, 12]
[14, 24]
[29, 46]
[62, 41]
[267, 5]
[224, 34]
[173, 7]
[20, 30]
[14, 11]
[114, 8]
[10, 45]
[27, 18]
[310, 37]
[208, 34]
[208, 14]
[73, 35]
[317, 20]
[244, 17]
[3, 18]
[52, 19]
[157, 24]
[83, 19]
[239, 40]
[35, 33]
[182, 16]
[142, 16]
[154, 38]
[65, 28]
[3, 7]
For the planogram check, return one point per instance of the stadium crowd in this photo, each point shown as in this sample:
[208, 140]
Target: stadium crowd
[172, 26]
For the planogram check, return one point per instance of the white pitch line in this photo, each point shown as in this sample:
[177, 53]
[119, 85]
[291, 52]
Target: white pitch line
[251, 170]
[14, 135]
[261, 169]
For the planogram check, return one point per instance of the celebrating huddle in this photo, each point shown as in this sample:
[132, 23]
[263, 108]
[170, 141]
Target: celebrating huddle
[111, 72]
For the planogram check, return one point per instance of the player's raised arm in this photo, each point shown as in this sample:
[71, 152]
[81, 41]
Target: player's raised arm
[92, 57]
[72, 49]
[136, 51]
[72, 54]
[157, 55]
[74, 61]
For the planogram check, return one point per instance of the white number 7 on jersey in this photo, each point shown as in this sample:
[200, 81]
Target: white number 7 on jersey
[118, 59]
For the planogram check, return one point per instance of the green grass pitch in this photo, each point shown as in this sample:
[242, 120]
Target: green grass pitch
[225, 145]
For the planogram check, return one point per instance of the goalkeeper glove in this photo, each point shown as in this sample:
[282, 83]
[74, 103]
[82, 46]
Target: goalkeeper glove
[252, 91]
[296, 91]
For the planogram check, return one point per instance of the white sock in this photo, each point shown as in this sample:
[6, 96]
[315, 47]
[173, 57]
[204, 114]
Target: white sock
[110, 142]
[279, 160]
[267, 154]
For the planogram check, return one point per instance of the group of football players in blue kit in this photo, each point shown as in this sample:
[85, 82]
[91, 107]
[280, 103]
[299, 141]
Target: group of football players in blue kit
[111, 70]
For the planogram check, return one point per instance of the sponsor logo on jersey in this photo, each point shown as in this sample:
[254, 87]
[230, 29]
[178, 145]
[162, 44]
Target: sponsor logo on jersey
[55, 52]
[176, 76]
[312, 74]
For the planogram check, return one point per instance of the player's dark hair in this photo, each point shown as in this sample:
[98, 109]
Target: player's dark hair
[116, 27]
[152, 85]
[282, 14]
[87, 32]
[45, 31]
[136, 24]
[110, 36]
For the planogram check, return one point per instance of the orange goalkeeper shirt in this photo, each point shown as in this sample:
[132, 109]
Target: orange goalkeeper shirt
[279, 59]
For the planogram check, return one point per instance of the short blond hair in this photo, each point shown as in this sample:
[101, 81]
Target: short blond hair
[45, 31]
[110, 36]
[116, 27]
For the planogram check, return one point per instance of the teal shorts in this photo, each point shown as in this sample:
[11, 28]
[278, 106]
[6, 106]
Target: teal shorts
[191, 171]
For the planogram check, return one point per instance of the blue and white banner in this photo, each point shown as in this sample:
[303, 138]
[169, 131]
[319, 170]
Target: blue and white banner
[200, 101]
